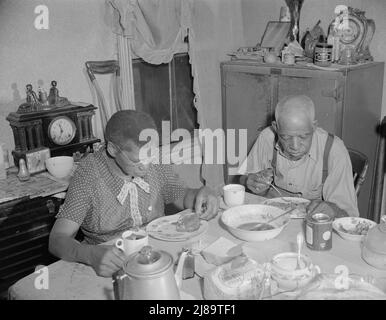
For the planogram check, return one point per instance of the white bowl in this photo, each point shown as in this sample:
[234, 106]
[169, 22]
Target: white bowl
[235, 217]
[60, 167]
[350, 224]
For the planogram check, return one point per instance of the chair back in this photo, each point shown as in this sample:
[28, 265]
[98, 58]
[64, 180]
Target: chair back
[103, 68]
[360, 164]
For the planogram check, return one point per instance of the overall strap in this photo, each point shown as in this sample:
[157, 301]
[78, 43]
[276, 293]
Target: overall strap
[274, 151]
[327, 149]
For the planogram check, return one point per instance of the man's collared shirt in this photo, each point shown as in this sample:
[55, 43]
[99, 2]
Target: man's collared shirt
[305, 175]
[94, 200]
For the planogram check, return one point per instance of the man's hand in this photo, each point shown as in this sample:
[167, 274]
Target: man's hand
[106, 260]
[206, 203]
[320, 206]
[260, 182]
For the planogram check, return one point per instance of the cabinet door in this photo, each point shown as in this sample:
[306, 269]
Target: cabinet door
[326, 93]
[246, 105]
[24, 230]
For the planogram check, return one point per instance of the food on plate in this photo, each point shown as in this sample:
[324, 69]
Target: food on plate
[360, 228]
[221, 251]
[239, 279]
[188, 221]
[300, 206]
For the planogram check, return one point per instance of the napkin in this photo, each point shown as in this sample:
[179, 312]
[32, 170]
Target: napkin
[221, 251]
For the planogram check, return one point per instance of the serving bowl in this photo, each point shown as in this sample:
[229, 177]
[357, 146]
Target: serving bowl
[353, 228]
[60, 167]
[237, 218]
[285, 272]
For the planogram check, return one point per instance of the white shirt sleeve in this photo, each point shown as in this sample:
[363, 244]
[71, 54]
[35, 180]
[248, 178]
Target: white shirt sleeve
[260, 156]
[339, 185]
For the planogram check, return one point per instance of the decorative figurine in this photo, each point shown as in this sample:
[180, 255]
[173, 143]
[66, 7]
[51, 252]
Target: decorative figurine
[23, 173]
[53, 97]
[31, 95]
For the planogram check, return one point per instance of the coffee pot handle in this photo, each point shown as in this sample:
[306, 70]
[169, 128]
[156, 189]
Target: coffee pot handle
[119, 244]
[180, 266]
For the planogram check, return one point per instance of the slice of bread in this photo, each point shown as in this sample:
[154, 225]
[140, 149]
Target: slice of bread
[188, 221]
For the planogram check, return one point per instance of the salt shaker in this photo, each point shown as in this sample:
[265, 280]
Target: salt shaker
[23, 173]
[188, 270]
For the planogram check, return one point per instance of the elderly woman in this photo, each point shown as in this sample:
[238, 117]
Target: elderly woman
[113, 190]
[300, 158]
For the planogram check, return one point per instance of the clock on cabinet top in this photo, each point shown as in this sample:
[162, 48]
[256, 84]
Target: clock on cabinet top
[65, 130]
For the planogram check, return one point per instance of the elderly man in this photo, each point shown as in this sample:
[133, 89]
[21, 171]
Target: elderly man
[114, 190]
[301, 159]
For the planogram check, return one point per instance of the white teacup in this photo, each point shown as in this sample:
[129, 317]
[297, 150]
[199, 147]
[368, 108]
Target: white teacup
[234, 194]
[132, 241]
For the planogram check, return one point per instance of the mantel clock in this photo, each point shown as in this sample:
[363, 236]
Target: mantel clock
[65, 129]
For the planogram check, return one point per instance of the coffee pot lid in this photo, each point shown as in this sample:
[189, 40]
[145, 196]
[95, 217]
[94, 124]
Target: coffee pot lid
[375, 239]
[148, 263]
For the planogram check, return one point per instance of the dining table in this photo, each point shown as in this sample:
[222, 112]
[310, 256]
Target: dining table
[77, 281]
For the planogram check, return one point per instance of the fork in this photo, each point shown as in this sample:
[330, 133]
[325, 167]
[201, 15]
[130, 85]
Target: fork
[279, 192]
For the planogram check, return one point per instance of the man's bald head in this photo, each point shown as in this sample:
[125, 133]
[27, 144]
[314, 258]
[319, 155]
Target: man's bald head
[295, 106]
[126, 125]
[294, 125]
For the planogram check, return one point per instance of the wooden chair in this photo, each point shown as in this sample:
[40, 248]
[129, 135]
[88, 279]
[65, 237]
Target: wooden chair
[360, 164]
[103, 68]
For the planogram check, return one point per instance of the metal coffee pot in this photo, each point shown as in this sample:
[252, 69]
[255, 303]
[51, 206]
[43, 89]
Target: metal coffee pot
[148, 275]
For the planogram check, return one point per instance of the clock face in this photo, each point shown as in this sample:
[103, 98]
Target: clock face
[351, 33]
[61, 130]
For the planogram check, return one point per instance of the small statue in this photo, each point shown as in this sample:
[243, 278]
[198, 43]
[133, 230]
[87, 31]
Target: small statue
[31, 95]
[23, 173]
[53, 97]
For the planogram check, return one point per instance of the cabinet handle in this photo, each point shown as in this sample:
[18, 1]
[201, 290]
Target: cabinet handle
[333, 93]
[50, 206]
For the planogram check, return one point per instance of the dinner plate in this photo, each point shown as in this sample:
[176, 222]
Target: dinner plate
[287, 203]
[164, 228]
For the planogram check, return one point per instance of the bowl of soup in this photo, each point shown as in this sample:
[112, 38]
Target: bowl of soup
[250, 222]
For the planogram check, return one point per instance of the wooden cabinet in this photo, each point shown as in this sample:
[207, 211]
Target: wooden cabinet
[348, 103]
[25, 225]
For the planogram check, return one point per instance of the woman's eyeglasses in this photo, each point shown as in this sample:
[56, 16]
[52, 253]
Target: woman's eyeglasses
[144, 162]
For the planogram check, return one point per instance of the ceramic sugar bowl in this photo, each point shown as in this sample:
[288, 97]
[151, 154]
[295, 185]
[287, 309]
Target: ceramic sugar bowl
[374, 246]
[290, 275]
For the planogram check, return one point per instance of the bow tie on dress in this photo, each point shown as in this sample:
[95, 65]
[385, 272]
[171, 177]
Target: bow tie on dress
[130, 187]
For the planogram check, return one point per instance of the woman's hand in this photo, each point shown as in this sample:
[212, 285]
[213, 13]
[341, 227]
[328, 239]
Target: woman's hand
[106, 260]
[206, 203]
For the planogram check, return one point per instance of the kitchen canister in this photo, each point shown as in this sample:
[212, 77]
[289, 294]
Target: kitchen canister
[323, 54]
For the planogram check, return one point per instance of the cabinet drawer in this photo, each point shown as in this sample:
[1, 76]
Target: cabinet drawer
[25, 225]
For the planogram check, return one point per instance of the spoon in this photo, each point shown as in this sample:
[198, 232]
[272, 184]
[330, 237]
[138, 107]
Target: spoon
[299, 241]
[259, 225]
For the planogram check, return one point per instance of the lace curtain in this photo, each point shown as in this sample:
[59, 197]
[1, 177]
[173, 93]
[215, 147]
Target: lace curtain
[155, 31]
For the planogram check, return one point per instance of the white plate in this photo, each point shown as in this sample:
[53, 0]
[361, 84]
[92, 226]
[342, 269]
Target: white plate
[350, 223]
[286, 204]
[164, 228]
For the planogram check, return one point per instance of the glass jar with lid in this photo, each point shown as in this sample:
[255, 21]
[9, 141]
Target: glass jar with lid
[374, 246]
